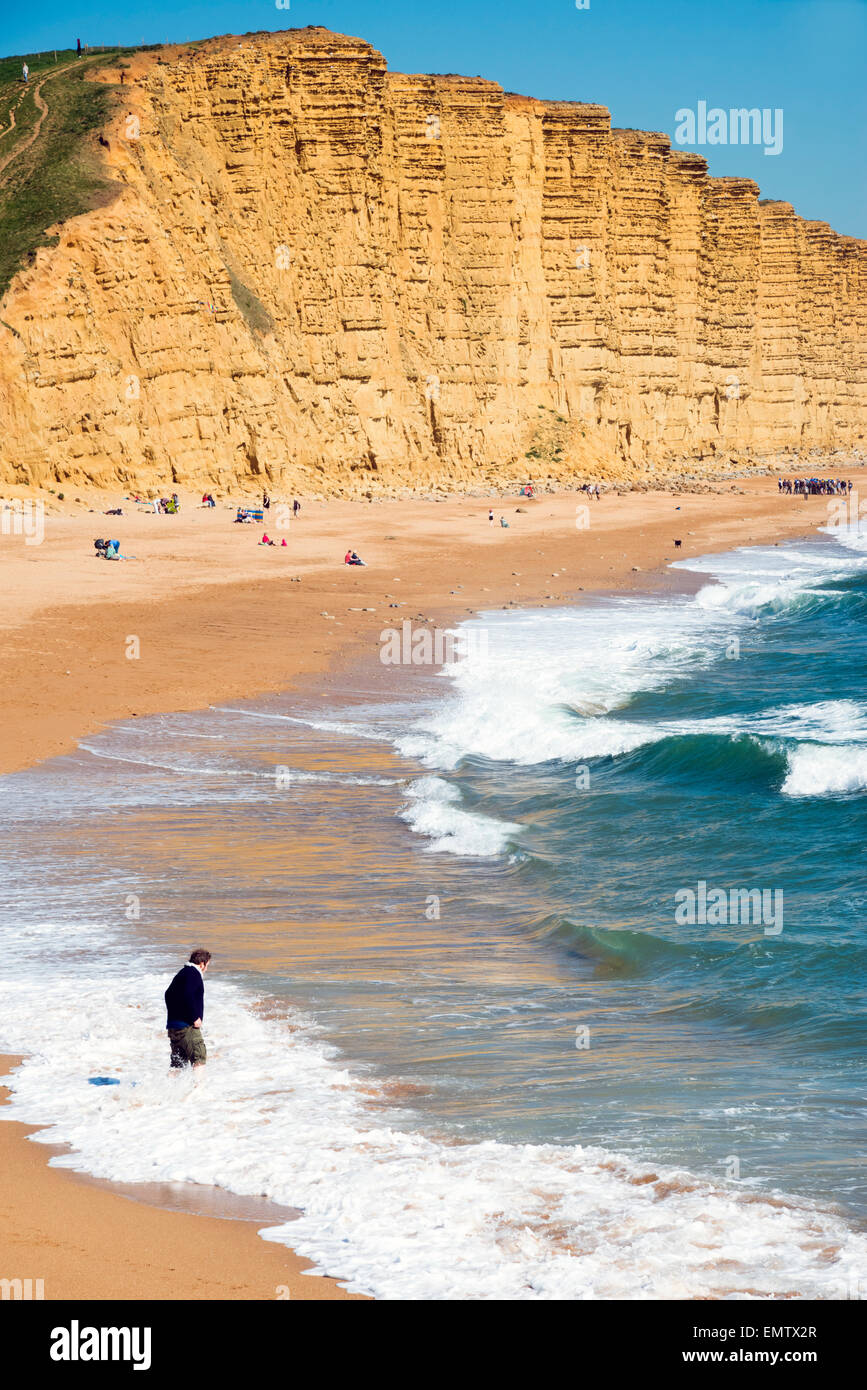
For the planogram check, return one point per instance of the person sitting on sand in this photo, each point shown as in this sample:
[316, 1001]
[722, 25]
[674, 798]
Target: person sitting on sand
[185, 1008]
[350, 558]
[504, 522]
[266, 541]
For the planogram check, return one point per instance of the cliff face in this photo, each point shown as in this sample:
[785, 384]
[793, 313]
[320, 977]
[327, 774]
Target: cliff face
[338, 278]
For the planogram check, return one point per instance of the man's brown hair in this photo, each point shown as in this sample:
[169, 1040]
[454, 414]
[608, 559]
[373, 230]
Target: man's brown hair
[199, 957]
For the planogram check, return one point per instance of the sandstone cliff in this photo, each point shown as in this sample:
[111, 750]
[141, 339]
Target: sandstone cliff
[334, 277]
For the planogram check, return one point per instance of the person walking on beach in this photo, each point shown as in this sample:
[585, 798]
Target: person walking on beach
[296, 507]
[185, 1007]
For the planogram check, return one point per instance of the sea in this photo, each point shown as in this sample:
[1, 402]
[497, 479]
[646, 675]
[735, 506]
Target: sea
[536, 975]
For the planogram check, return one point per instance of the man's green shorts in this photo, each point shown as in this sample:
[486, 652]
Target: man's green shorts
[188, 1046]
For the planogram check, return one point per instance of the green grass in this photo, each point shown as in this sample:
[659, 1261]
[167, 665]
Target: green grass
[60, 175]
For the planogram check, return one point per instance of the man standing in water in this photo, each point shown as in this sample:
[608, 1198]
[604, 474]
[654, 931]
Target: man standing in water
[185, 1006]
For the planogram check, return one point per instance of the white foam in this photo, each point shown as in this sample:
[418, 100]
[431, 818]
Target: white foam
[158, 765]
[851, 533]
[552, 682]
[823, 770]
[824, 721]
[286, 774]
[330, 726]
[392, 1210]
[434, 809]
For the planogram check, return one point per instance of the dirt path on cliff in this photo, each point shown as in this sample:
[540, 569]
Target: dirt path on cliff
[12, 109]
[43, 109]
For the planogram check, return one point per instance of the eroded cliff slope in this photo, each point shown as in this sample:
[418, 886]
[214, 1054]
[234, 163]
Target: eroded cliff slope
[337, 278]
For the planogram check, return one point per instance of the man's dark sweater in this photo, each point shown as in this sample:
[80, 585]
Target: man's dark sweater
[185, 998]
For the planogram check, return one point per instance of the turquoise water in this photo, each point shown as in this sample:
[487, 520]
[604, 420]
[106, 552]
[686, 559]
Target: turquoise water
[468, 882]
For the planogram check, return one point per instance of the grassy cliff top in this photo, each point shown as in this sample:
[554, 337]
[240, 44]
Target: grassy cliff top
[49, 165]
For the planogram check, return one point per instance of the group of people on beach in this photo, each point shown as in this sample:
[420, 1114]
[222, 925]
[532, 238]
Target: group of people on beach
[110, 550]
[814, 487]
[166, 506]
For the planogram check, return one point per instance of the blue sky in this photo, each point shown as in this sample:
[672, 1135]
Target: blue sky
[644, 59]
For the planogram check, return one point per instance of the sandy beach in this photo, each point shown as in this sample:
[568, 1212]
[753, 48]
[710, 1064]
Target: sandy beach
[218, 616]
[85, 1242]
[212, 615]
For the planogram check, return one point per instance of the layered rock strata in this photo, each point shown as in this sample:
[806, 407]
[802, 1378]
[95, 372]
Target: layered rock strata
[336, 278]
